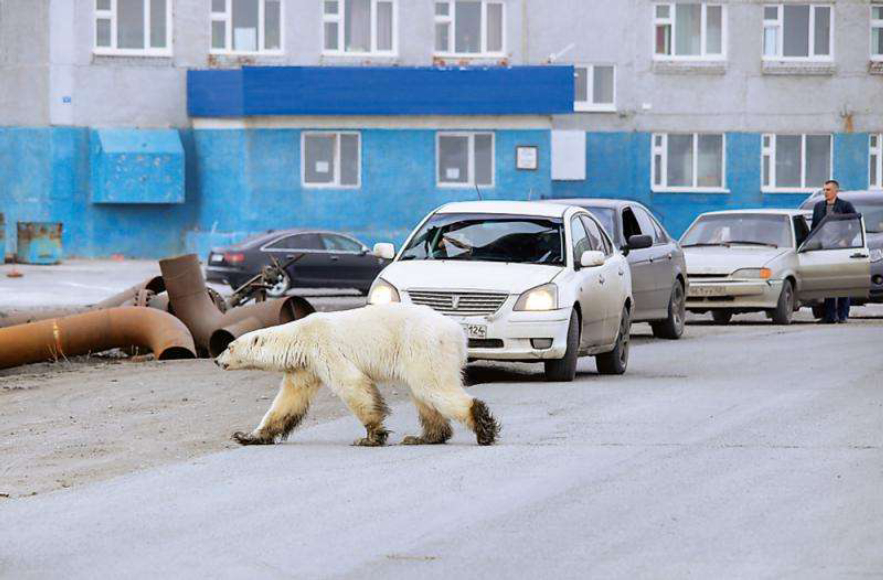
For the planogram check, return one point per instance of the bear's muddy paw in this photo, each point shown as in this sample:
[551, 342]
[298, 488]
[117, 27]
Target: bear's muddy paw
[368, 442]
[423, 440]
[249, 439]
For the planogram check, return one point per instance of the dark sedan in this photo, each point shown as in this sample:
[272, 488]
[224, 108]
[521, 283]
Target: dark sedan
[659, 273]
[329, 260]
[870, 205]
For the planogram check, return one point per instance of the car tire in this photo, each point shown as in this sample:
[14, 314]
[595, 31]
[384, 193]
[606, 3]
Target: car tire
[563, 370]
[616, 361]
[673, 327]
[722, 316]
[281, 287]
[784, 311]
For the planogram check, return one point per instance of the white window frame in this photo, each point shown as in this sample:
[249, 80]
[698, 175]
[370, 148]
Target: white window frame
[336, 183]
[779, 24]
[227, 18]
[875, 23]
[703, 38]
[451, 20]
[470, 182]
[875, 145]
[589, 106]
[769, 152]
[111, 15]
[340, 20]
[660, 150]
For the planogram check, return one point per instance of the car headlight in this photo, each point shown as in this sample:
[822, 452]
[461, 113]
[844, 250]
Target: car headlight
[382, 292]
[877, 254]
[761, 273]
[540, 298]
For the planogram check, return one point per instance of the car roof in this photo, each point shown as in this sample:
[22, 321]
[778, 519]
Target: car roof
[594, 202]
[528, 208]
[261, 239]
[763, 211]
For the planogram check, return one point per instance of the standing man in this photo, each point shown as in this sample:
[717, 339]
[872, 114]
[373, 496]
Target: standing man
[836, 309]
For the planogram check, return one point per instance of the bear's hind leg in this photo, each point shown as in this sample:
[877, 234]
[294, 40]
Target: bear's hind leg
[364, 400]
[287, 411]
[447, 396]
[436, 428]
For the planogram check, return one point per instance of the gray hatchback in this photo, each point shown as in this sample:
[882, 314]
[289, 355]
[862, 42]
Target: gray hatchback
[659, 273]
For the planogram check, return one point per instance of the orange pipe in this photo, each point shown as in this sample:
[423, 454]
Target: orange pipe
[96, 331]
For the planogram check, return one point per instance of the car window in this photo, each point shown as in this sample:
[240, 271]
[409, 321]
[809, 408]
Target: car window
[801, 229]
[297, 242]
[604, 215]
[726, 229]
[661, 235]
[630, 225]
[837, 233]
[873, 214]
[581, 241]
[336, 243]
[647, 226]
[596, 238]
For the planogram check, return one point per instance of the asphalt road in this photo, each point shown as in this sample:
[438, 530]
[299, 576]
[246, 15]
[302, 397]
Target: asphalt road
[742, 451]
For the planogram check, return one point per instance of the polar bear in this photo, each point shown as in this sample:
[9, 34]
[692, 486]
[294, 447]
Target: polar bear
[350, 352]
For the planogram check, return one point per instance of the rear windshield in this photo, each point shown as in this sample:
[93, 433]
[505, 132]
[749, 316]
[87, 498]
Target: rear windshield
[489, 238]
[739, 229]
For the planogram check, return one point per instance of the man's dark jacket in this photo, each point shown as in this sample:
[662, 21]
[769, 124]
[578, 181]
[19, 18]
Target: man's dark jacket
[819, 210]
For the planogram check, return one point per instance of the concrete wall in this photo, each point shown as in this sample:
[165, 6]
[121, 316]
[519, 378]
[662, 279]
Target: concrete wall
[24, 62]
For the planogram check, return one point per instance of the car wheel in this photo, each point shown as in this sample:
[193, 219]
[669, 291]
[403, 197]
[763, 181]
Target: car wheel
[784, 311]
[563, 370]
[616, 361]
[673, 327]
[818, 311]
[721, 316]
[282, 286]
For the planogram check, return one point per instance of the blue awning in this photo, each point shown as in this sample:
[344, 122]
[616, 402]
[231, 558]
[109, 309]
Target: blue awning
[254, 91]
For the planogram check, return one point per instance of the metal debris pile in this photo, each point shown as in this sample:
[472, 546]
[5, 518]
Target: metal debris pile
[174, 316]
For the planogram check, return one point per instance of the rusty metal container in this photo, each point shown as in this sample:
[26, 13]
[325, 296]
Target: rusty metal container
[39, 243]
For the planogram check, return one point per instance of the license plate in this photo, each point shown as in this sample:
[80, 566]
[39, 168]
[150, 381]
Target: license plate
[475, 330]
[707, 291]
[217, 258]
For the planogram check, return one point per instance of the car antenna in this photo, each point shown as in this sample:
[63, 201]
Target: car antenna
[478, 192]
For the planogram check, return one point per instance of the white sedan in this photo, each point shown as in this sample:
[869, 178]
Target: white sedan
[768, 261]
[528, 281]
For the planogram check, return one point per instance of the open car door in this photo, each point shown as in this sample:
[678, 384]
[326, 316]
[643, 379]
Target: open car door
[834, 261]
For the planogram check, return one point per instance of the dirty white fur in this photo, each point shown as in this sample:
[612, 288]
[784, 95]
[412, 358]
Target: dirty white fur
[350, 352]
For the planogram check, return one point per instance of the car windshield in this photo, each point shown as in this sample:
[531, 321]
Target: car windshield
[488, 238]
[739, 229]
[605, 216]
[873, 214]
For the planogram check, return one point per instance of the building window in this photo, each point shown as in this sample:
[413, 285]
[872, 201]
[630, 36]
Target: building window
[359, 27]
[795, 162]
[690, 31]
[465, 159]
[798, 32]
[877, 33]
[246, 26]
[331, 160]
[472, 28]
[876, 165]
[594, 87]
[133, 27]
[690, 161]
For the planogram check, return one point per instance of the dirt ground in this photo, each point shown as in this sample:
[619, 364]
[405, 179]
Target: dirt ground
[69, 423]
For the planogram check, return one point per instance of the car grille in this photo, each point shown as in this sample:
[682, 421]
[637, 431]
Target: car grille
[459, 303]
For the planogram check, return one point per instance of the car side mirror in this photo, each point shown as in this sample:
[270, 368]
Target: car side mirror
[385, 251]
[590, 259]
[639, 242]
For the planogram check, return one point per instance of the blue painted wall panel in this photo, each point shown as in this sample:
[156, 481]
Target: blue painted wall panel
[525, 90]
[240, 182]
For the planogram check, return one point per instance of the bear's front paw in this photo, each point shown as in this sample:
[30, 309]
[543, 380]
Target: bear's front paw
[249, 439]
[368, 442]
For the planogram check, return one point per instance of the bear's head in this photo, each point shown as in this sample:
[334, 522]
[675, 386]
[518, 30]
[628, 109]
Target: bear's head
[244, 353]
[269, 349]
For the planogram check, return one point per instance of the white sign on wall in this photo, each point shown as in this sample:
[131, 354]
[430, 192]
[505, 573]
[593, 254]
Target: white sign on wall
[526, 157]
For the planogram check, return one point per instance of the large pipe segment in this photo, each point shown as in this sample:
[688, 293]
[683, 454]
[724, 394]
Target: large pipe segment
[96, 331]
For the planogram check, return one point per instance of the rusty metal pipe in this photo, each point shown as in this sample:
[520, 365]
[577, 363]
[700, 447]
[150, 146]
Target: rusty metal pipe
[242, 319]
[128, 297]
[96, 331]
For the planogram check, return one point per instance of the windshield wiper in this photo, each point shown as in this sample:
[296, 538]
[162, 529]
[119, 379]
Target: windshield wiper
[702, 244]
[750, 243]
